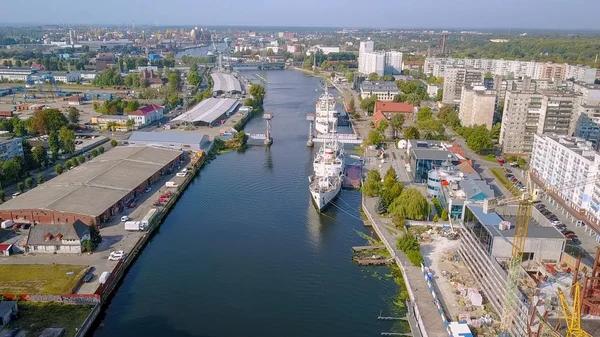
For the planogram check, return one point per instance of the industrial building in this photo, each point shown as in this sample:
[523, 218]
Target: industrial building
[186, 141]
[95, 190]
[209, 112]
[225, 84]
[486, 244]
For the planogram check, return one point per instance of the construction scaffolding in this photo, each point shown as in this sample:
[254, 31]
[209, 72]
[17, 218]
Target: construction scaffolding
[590, 303]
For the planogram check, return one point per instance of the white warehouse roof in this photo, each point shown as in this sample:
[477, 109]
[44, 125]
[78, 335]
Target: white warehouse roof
[208, 110]
[225, 83]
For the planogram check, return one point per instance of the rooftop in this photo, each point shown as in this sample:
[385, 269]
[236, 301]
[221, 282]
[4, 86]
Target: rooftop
[175, 137]
[208, 110]
[492, 221]
[394, 107]
[7, 306]
[146, 110]
[379, 86]
[51, 234]
[225, 82]
[108, 178]
[431, 150]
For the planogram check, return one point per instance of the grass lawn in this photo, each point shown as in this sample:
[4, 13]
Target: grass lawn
[39, 278]
[499, 174]
[35, 317]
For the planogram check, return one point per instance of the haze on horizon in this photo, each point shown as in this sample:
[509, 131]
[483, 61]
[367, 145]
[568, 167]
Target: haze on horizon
[451, 14]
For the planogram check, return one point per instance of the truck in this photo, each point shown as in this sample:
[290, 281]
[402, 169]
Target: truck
[7, 224]
[170, 184]
[134, 226]
[147, 220]
[104, 277]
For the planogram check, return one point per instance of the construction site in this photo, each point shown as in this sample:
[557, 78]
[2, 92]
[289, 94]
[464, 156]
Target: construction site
[509, 274]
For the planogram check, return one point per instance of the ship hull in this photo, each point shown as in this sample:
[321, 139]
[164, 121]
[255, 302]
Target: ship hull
[323, 198]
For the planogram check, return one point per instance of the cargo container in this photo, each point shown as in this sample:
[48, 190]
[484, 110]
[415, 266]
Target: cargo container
[147, 220]
[104, 277]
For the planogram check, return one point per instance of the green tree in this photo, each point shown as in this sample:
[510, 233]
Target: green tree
[410, 205]
[113, 143]
[59, 169]
[130, 124]
[94, 152]
[444, 215]
[40, 156]
[11, 170]
[258, 93]
[374, 138]
[132, 106]
[388, 194]
[47, 120]
[372, 185]
[40, 178]
[436, 218]
[352, 105]
[29, 183]
[430, 127]
[81, 159]
[424, 113]
[67, 140]
[350, 77]
[373, 77]
[73, 115]
[95, 235]
[21, 186]
[29, 162]
[193, 78]
[382, 126]
[397, 122]
[2, 195]
[368, 104]
[480, 139]
[411, 132]
[439, 95]
[413, 99]
[101, 149]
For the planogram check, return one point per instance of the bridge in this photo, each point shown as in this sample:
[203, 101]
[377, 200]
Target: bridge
[346, 138]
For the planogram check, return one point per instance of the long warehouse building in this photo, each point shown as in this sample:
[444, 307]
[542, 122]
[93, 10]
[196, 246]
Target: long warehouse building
[209, 112]
[225, 84]
[95, 190]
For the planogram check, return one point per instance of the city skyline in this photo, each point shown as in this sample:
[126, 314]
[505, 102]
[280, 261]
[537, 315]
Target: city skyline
[535, 14]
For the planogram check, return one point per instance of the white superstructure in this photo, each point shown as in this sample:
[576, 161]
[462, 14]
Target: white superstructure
[328, 166]
[326, 115]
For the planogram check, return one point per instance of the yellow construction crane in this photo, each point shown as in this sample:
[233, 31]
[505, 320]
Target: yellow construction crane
[572, 316]
[525, 201]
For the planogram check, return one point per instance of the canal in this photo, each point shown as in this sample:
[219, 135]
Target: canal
[244, 252]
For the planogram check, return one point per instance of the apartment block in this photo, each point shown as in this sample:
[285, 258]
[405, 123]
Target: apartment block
[477, 106]
[560, 161]
[528, 113]
[393, 63]
[455, 79]
[513, 68]
[10, 148]
[586, 124]
[364, 48]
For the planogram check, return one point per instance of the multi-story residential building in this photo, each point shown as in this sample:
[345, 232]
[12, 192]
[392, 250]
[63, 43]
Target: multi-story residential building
[365, 48]
[393, 63]
[561, 161]
[10, 148]
[516, 68]
[374, 63]
[455, 79]
[528, 113]
[477, 106]
[314, 49]
[384, 91]
[146, 115]
[586, 124]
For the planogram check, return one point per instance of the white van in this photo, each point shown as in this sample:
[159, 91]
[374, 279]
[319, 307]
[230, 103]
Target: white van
[16, 194]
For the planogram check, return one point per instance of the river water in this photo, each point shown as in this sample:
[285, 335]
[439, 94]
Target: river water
[245, 253]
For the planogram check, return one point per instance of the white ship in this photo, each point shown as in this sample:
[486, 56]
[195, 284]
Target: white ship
[326, 181]
[326, 115]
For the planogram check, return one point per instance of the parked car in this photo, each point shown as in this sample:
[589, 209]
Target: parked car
[116, 255]
[148, 189]
[124, 218]
[576, 241]
[567, 232]
[571, 236]
[16, 194]
[88, 277]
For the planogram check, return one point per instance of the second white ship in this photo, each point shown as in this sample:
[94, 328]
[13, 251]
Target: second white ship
[326, 181]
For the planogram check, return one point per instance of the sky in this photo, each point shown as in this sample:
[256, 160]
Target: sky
[451, 14]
